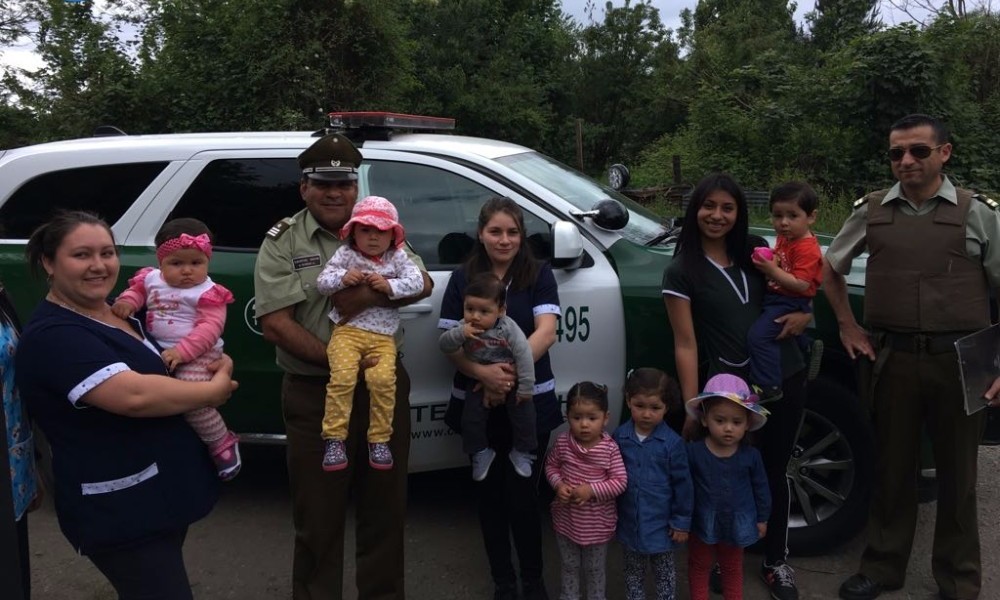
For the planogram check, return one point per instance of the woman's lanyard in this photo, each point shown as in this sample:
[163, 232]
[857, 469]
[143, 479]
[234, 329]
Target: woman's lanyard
[743, 296]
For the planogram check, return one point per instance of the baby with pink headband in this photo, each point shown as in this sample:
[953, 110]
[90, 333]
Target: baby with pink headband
[186, 313]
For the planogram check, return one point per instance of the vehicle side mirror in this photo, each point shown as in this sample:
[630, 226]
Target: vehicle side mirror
[607, 214]
[567, 246]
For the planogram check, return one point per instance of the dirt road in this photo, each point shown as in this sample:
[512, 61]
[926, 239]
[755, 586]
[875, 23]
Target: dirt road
[243, 549]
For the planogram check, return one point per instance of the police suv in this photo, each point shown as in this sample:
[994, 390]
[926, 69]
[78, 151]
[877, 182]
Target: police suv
[608, 255]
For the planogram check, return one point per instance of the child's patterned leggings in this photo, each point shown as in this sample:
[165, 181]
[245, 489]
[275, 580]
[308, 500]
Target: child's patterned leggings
[206, 422]
[591, 559]
[663, 572]
[700, 561]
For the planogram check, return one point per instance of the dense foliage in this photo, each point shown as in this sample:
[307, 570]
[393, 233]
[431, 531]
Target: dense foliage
[740, 86]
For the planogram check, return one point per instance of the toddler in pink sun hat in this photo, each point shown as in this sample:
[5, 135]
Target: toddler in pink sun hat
[732, 500]
[372, 255]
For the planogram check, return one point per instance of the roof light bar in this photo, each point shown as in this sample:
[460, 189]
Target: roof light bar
[388, 120]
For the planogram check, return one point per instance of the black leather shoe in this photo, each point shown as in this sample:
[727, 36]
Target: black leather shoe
[505, 592]
[860, 587]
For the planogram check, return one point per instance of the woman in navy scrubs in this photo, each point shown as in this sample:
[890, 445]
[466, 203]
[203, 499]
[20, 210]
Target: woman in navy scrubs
[130, 474]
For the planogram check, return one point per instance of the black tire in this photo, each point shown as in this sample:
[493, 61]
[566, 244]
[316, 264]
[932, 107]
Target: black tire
[831, 470]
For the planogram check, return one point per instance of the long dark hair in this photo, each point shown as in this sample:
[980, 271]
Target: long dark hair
[8, 316]
[524, 267]
[689, 247]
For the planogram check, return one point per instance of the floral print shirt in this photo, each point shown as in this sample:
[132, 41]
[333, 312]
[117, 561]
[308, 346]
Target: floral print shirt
[20, 445]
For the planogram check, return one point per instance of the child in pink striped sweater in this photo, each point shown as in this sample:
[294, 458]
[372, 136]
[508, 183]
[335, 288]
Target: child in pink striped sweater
[586, 470]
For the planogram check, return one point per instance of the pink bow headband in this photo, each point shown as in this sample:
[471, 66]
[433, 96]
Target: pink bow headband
[198, 242]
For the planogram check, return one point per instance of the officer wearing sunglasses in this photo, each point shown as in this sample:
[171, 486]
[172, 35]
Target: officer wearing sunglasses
[934, 257]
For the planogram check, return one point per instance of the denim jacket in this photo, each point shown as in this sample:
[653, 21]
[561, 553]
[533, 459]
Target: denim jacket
[659, 495]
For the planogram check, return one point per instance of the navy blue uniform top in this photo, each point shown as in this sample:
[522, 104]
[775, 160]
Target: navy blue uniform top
[118, 479]
[542, 297]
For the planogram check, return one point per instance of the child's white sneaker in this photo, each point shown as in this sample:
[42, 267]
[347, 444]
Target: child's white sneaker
[481, 462]
[522, 462]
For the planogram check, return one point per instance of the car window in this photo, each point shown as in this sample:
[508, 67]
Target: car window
[240, 199]
[440, 210]
[108, 190]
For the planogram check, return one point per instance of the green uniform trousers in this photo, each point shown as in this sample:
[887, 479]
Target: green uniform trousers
[915, 390]
[320, 498]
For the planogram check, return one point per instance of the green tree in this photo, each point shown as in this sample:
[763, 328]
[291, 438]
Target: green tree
[834, 23]
[268, 64]
[498, 68]
[88, 78]
[623, 84]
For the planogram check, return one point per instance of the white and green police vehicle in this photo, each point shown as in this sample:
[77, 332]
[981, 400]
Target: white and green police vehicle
[608, 255]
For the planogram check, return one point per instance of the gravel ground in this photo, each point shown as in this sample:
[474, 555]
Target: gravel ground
[243, 549]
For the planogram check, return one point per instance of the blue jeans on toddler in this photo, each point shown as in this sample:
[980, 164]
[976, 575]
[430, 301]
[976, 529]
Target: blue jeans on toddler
[765, 351]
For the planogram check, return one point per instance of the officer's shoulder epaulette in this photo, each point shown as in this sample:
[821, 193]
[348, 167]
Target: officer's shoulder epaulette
[279, 228]
[860, 202]
[990, 202]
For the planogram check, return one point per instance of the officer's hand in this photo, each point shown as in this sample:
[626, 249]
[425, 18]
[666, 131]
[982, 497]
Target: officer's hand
[992, 395]
[349, 302]
[856, 341]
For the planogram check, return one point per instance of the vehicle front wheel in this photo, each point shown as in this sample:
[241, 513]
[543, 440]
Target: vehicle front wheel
[830, 471]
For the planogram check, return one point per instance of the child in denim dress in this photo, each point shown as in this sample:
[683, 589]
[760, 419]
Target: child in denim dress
[654, 513]
[732, 501]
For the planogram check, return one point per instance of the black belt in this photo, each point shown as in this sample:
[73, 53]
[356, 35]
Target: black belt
[931, 343]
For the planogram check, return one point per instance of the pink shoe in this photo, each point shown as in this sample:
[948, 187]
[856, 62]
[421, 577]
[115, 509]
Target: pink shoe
[226, 456]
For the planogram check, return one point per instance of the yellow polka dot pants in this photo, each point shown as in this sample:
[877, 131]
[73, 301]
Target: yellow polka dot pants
[347, 347]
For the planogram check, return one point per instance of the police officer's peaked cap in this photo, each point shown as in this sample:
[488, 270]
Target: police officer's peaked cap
[331, 158]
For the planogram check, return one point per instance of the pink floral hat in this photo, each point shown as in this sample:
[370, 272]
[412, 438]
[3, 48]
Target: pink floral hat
[732, 388]
[377, 212]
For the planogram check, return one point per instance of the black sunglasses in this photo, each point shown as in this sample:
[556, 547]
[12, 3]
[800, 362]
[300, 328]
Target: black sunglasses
[918, 152]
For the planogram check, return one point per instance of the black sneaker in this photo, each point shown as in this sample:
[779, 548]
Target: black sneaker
[780, 580]
[715, 579]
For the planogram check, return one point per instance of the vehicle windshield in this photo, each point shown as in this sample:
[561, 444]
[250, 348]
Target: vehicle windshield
[583, 192]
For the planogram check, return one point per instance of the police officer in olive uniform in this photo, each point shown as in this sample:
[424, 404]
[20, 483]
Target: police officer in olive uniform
[294, 318]
[934, 256]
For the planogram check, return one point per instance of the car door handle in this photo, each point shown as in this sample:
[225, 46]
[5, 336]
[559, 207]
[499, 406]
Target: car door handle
[416, 309]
